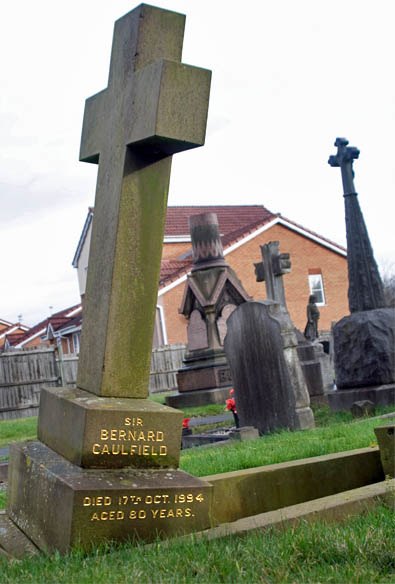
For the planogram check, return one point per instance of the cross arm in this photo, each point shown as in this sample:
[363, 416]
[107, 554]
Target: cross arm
[93, 128]
[171, 107]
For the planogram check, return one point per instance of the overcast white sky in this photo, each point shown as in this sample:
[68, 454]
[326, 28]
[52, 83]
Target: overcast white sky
[288, 77]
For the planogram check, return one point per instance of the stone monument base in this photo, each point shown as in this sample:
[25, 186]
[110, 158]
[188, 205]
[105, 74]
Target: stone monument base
[205, 376]
[186, 399]
[380, 395]
[59, 505]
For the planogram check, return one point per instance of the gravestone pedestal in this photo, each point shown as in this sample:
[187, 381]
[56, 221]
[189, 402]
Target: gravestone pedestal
[60, 505]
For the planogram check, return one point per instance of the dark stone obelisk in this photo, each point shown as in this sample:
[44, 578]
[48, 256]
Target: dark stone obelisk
[211, 294]
[364, 341]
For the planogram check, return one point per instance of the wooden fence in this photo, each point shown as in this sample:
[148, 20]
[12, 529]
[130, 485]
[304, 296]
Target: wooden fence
[165, 362]
[23, 373]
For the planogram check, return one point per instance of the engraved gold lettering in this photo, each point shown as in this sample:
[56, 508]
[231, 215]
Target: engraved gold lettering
[122, 434]
[103, 434]
[96, 501]
[133, 421]
[137, 514]
[105, 449]
[178, 512]
[96, 449]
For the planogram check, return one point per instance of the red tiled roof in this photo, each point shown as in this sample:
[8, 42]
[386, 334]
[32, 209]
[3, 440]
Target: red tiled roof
[231, 218]
[171, 269]
[57, 319]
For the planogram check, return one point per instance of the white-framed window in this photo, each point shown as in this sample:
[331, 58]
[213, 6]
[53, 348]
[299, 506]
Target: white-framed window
[76, 342]
[316, 285]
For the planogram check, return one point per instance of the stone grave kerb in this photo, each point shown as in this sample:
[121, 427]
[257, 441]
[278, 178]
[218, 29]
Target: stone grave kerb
[153, 107]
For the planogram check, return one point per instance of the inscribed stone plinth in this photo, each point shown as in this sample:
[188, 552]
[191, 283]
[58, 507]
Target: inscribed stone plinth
[153, 106]
[60, 505]
[261, 379]
[101, 432]
[364, 341]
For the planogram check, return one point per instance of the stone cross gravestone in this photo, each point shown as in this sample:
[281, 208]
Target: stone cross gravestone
[364, 341]
[271, 269]
[105, 466]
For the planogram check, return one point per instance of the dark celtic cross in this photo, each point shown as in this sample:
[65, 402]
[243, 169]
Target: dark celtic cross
[271, 271]
[344, 159]
[365, 288]
[153, 107]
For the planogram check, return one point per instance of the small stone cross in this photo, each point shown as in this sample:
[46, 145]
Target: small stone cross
[271, 270]
[153, 107]
[344, 158]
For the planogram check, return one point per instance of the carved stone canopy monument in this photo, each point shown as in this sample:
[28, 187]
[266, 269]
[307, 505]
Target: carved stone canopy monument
[211, 294]
[105, 464]
[364, 341]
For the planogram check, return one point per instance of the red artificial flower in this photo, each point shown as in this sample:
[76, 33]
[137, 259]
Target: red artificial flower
[185, 423]
[231, 405]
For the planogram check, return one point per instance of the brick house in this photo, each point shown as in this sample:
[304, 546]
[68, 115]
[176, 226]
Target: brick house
[16, 329]
[319, 265]
[61, 328]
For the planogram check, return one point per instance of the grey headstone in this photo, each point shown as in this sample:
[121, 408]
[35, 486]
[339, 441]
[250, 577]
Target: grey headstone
[262, 383]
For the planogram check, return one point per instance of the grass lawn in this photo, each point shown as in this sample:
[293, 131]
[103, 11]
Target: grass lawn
[358, 551]
[15, 430]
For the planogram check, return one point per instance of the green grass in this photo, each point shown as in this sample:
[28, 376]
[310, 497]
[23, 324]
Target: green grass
[280, 447]
[192, 412]
[15, 430]
[358, 551]
[3, 495]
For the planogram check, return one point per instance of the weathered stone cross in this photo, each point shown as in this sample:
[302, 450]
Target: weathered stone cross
[271, 270]
[153, 107]
[344, 158]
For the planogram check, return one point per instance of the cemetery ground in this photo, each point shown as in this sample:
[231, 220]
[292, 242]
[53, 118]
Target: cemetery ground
[356, 550]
